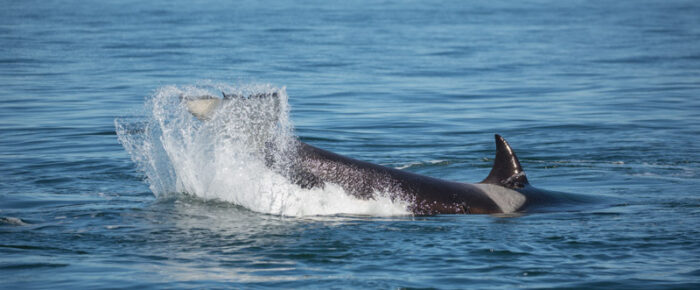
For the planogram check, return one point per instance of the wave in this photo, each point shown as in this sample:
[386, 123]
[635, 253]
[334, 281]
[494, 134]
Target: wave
[224, 158]
[12, 221]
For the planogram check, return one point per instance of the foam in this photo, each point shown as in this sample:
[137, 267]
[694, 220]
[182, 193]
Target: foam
[221, 159]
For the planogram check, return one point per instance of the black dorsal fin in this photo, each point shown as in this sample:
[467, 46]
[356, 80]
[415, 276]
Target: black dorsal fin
[506, 169]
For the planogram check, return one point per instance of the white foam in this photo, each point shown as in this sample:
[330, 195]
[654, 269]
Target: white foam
[419, 163]
[222, 158]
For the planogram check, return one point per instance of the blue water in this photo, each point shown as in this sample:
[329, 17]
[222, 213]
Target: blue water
[598, 98]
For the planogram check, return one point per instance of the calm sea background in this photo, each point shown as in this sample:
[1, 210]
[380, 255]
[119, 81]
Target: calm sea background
[600, 98]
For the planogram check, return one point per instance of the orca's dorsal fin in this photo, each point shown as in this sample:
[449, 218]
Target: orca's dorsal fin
[506, 170]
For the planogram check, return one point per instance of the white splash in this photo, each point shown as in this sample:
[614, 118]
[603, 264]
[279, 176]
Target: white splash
[222, 158]
[419, 164]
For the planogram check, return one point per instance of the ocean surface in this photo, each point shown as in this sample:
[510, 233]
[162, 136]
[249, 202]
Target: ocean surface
[107, 182]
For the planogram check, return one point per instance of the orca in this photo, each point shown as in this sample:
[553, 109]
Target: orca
[506, 189]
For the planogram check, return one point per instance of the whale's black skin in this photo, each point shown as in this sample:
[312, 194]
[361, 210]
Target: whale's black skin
[426, 195]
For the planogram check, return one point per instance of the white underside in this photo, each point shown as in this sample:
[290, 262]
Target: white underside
[507, 199]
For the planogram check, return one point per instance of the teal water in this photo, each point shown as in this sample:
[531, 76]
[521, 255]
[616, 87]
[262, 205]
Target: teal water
[597, 98]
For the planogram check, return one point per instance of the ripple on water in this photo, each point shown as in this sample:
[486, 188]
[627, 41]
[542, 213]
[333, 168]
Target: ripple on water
[12, 221]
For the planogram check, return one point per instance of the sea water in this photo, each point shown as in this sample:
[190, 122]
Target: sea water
[106, 181]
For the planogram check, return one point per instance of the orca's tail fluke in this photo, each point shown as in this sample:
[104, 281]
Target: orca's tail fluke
[506, 170]
[202, 107]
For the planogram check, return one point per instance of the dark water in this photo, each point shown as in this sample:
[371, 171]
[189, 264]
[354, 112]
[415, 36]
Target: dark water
[599, 98]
